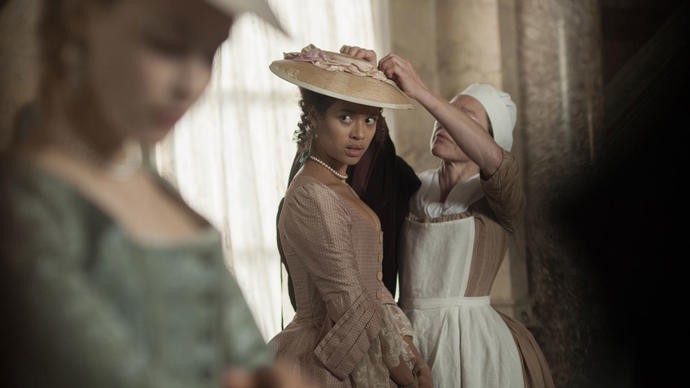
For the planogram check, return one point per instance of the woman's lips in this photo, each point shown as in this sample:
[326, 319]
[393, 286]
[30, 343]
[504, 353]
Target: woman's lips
[442, 136]
[354, 151]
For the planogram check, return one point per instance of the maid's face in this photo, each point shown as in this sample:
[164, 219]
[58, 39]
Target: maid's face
[442, 144]
[344, 132]
[148, 61]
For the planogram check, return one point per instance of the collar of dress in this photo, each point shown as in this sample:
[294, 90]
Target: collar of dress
[426, 202]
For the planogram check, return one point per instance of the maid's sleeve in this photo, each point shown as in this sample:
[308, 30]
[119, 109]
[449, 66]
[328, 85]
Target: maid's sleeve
[504, 192]
[316, 228]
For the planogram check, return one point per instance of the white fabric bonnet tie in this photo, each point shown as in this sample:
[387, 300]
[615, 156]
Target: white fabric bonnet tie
[501, 110]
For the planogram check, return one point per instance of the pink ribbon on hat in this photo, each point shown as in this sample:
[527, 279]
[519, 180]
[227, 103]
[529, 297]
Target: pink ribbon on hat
[320, 59]
[310, 53]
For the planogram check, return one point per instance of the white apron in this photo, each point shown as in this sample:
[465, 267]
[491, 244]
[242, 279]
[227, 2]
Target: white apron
[463, 339]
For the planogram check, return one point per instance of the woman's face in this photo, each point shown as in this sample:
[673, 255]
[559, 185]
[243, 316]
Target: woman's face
[148, 61]
[344, 132]
[442, 144]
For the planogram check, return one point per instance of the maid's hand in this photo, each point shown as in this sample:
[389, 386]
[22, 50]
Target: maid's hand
[404, 74]
[358, 52]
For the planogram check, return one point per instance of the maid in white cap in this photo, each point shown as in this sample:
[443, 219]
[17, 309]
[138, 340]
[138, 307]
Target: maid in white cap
[456, 237]
[116, 281]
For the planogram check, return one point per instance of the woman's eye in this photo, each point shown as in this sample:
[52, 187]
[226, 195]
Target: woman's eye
[346, 118]
[370, 120]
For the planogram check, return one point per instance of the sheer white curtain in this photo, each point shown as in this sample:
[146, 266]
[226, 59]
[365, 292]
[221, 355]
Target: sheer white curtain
[230, 155]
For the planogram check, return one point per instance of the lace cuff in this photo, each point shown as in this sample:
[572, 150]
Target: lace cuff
[386, 351]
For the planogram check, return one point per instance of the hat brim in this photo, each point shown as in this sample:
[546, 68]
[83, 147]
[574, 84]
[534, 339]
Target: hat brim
[342, 85]
[258, 7]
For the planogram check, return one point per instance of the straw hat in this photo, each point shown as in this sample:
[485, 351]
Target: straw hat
[340, 76]
[258, 7]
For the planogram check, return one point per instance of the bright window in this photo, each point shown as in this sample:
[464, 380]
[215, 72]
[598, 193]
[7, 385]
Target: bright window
[230, 155]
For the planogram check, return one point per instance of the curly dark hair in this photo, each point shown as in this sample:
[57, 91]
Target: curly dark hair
[320, 103]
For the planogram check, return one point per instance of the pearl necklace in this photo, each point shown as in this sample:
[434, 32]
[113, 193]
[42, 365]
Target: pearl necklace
[331, 169]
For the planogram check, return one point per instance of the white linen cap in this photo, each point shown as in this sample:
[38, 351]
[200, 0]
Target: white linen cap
[501, 110]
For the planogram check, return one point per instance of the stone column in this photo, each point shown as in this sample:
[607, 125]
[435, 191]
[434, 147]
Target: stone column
[413, 36]
[561, 115]
[18, 60]
[468, 44]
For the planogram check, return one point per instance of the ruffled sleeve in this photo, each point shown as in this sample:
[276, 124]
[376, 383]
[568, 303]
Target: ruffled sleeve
[387, 351]
[393, 346]
[316, 226]
[504, 192]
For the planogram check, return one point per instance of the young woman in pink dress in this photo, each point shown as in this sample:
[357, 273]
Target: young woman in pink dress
[347, 331]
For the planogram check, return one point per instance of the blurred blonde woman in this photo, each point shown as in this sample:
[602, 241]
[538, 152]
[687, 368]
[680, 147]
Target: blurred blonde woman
[117, 282]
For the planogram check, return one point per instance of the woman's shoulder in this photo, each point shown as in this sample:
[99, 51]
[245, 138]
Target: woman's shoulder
[508, 169]
[38, 206]
[306, 186]
[307, 193]
[25, 186]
